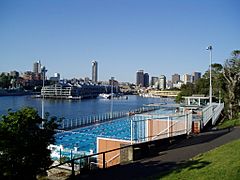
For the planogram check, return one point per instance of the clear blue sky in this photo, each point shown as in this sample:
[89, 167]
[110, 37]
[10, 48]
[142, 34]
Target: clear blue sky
[158, 36]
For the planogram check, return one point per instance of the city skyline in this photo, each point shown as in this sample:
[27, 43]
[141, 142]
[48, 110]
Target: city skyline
[161, 37]
[143, 78]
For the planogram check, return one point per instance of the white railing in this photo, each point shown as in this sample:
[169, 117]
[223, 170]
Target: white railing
[212, 112]
[217, 112]
[207, 114]
[73, 123]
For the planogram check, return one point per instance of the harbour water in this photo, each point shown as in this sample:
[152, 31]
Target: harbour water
[75, 108]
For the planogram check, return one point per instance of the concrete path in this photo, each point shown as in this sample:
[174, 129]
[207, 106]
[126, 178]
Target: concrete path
[169, 159]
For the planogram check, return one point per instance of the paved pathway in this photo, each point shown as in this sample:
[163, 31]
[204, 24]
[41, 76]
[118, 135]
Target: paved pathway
[169, 159]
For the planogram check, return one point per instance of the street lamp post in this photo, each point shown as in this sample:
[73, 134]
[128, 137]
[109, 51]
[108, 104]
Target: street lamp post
[44, 70]
[210, 75]
[112, 78]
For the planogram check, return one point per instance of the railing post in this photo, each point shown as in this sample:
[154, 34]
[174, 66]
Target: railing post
[60, 153]
[72, 164]
[104, 165]
[186, 121]
[80, 165]
[131, 121]
[168, 126]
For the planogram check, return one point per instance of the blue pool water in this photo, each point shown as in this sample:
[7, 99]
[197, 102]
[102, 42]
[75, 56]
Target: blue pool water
[85, 139]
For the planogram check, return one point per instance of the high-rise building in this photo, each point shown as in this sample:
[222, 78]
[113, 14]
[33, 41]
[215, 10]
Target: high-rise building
[94, 71]
[37, 67]
[146, 80]
[162, 82]
[187, 78]
[169, 84]
[154, 81]
[175, 78]
[140, 78]
[196, 76]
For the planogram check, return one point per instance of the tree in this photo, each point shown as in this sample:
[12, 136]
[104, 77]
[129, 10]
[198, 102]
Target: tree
[231, 73]
[186, 90]
[218, 82]
[5, 81]
[202, 85]
[23, 144]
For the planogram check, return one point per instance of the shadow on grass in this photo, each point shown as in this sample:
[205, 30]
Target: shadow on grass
[147, 170]
[190, 165]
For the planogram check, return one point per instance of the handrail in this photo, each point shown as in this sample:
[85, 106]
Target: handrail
[210, 112]
[207, 114]
[217, 112]
[91, 155]
[154, 116]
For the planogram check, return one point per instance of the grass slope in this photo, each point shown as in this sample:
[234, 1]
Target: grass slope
[229, 123]
[220, 163]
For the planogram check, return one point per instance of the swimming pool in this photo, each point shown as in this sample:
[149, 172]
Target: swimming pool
[84, 139]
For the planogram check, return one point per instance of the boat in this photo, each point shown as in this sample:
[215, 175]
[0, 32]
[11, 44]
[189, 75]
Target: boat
[105, 96]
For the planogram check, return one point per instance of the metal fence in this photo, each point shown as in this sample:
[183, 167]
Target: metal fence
[150, 127]
[73, 123]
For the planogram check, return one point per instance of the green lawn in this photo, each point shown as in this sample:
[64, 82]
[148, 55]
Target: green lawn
[229, 123]
[220, 163]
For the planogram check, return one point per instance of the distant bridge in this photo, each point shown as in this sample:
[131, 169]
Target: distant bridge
[164, 93]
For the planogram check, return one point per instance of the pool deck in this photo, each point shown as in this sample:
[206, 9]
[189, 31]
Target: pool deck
[167, 160]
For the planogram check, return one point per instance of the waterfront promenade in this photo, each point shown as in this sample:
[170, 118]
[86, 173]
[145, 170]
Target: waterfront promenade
[163, 161]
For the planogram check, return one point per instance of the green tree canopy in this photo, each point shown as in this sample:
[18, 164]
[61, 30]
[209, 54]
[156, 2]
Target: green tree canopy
[186, 90]
[218, 82]
[231, 73]
[23, 144]
[5, 81]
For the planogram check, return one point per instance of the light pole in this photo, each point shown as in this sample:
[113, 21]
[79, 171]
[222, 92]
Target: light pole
[210, 75]
[112, 79]
[44, 70]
